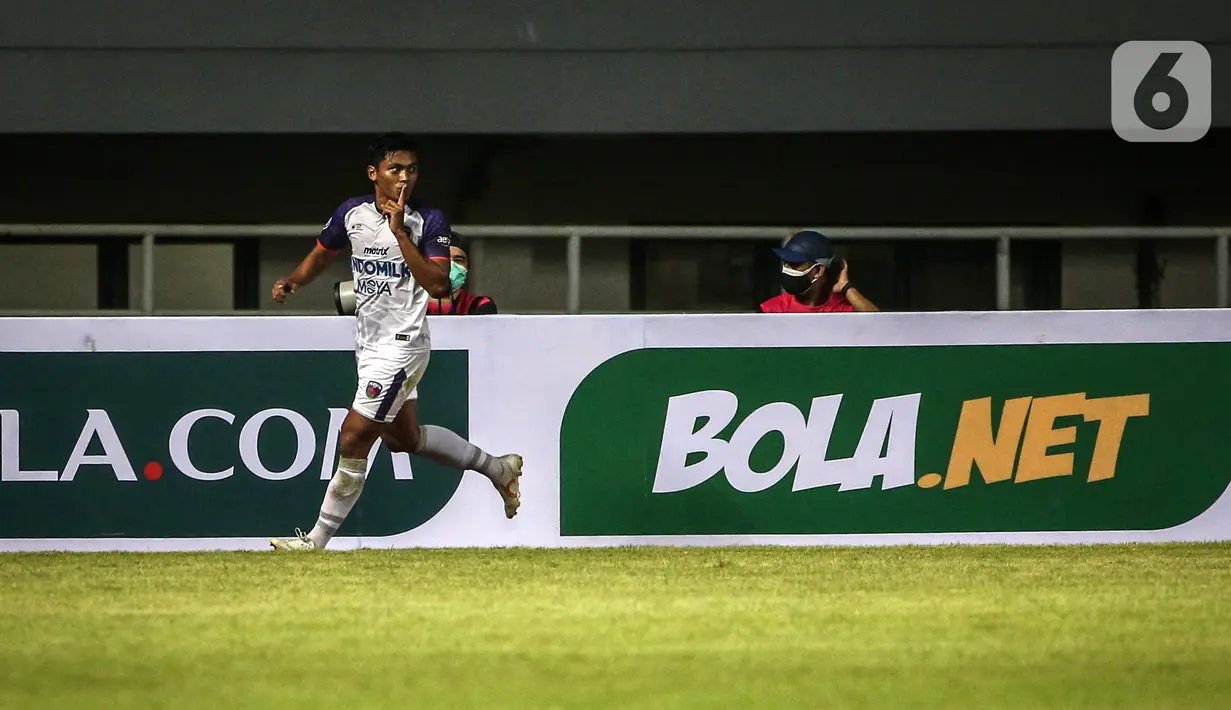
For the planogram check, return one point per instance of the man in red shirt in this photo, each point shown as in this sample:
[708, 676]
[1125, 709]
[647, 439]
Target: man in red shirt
[807, 278]
[460, 302]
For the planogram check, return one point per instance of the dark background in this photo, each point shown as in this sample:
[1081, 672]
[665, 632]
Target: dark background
[667, 113]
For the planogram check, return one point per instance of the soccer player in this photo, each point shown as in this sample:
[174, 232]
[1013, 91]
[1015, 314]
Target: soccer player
[399, 260]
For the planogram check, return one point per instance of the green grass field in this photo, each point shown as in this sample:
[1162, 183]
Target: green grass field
[955, 627]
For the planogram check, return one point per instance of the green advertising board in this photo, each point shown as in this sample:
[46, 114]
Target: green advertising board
[706, 441]
[201, 444]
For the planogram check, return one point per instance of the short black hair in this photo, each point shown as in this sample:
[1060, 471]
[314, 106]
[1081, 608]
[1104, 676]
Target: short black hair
[459, 241]
[384, 144]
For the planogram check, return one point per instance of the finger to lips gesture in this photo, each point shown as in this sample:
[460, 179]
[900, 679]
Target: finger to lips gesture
[396, 211]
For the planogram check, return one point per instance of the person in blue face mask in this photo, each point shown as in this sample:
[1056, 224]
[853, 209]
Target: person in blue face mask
[460, 302]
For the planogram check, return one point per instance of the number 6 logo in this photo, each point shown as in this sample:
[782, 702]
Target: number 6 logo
[1160, 92]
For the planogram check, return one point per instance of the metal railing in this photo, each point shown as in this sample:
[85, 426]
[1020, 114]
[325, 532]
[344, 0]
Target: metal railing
[1003, 236]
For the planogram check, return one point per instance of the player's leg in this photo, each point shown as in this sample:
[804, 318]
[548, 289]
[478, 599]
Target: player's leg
[354, 441]
[448, 449]
[379, 395]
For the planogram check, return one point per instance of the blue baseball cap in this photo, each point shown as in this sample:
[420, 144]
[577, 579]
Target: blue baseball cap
[806, 247]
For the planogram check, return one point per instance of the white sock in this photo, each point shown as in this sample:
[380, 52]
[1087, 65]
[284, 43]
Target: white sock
[448, 449]
[341, 495]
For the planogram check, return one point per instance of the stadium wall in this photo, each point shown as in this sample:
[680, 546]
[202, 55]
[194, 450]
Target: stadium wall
[554, 66]
[1029, 428]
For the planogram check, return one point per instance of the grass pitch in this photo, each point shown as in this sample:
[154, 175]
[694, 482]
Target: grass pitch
[955, 627]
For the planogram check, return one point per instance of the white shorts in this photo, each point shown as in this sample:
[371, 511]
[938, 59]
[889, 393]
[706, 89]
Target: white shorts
[387, 378]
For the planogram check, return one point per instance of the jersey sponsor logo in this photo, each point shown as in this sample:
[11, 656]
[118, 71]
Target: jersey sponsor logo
[373, 267]
[375, 251]
[373, 287]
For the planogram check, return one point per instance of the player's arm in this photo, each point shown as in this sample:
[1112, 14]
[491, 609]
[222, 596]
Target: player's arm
[312, 265]
[431, 271]
[331, 240]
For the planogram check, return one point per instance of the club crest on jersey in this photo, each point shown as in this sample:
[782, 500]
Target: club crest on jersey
[374, 389]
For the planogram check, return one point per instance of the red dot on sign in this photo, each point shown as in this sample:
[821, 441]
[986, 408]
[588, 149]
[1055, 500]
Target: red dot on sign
[153, 470]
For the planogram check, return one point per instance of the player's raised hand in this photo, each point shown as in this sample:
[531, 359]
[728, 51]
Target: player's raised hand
[283, 287]
[396, 211]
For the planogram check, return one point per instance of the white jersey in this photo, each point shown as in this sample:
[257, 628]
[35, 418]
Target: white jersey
[390, 306]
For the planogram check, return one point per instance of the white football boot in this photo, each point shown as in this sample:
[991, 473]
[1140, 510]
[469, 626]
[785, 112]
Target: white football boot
[511, 490]
[299, 543]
